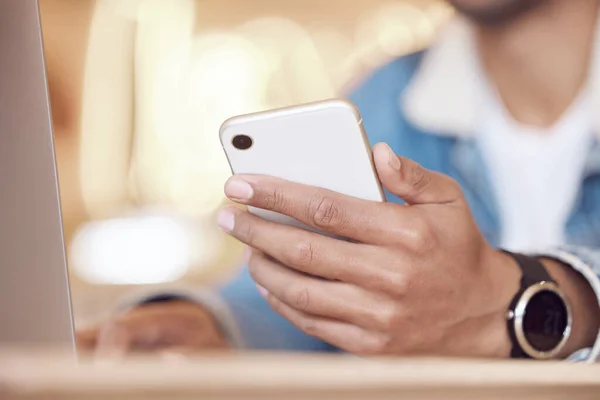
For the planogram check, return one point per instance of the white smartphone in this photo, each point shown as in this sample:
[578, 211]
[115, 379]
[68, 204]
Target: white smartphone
[321, 144]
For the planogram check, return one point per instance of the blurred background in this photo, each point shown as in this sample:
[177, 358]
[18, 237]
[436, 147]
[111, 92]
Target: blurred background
[139, 89]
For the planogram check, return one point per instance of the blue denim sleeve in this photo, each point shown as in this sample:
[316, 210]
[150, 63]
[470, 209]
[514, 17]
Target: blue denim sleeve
[586, 261]
[258, 326]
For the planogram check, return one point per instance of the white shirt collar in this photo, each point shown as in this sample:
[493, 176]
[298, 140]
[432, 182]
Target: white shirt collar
[445, 94]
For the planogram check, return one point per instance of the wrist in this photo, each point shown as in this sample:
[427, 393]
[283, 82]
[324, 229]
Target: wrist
[502, 277]
[503, 283]
[584, 305]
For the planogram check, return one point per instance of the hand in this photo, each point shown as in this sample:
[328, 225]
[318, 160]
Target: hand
[167, 327]
[413, 279]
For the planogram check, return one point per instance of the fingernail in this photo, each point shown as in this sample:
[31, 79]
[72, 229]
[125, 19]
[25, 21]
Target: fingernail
[263, 292]
[238, 189]
[226, 220]
[393, 159]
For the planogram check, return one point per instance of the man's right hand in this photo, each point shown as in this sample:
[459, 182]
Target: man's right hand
[166, 327]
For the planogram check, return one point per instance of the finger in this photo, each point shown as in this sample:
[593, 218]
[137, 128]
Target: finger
[410, 181]
[174, 357]
[302, 250]
[114, 341]
[86, 338]
[176, 354]
[348, 337]
[318, 297]
[349, 217]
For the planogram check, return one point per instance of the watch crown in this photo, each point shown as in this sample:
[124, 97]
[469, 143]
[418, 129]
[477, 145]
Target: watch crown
[510, 314]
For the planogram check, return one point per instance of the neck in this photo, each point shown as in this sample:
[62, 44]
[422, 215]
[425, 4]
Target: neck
[539, 63]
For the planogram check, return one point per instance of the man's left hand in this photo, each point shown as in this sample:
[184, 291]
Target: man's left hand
[413, 279]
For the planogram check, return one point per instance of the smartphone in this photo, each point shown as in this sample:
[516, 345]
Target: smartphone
[321, 144]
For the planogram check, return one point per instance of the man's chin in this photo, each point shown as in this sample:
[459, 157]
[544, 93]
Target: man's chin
[494, 12]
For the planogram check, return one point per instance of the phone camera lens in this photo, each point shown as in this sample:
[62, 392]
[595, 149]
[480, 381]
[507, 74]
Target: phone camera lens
[242, 142]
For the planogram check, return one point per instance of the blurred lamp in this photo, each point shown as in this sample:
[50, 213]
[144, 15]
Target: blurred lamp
[143, 249]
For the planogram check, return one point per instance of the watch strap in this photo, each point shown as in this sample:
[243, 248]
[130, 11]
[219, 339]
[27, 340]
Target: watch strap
[532, 272]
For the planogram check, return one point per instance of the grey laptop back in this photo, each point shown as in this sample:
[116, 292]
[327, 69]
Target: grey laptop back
[35, 304]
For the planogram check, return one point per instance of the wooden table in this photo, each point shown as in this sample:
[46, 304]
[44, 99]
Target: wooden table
[52, 376]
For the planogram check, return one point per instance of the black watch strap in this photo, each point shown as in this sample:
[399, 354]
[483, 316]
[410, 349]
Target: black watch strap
[532, 272]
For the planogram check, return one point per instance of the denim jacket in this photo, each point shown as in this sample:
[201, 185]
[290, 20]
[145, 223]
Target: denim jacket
[424, 106]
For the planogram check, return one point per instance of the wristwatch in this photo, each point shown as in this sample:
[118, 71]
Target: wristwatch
[539, 317]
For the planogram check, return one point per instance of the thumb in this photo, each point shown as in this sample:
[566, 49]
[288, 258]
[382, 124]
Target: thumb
[410, 181]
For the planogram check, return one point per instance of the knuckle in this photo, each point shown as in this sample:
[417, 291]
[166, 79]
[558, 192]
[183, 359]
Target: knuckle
[382, 343]
[419, 177]
[274, 199]
[421, 229]
[304, 254]
[373, 345]
[309, 326]
[246, 231]
[386, 318]
[422, 237]
[424, 246]
[299, 297]
[400, 285]
[328, 213]
[302, 300]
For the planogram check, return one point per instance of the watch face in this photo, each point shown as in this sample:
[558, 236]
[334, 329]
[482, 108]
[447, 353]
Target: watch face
[545, 320]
